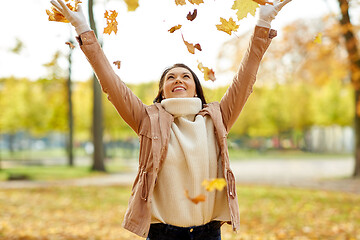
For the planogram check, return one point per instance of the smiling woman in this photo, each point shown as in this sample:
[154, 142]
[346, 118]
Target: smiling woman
[182, 139]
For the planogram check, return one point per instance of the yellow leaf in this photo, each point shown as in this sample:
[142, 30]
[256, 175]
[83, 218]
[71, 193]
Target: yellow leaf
[197, 199]
[55, 15]
[111, 22]
[196, 1]
[209, 74]
[244, 7]
[217, 183]
[318, 38]
[173, 29]
[132, 5]
[180, 2]
[227, 26]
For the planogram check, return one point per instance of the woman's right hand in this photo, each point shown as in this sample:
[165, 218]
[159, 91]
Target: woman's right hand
[77, 19]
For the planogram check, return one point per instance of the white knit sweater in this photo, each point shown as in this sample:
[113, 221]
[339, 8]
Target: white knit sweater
[193, 155]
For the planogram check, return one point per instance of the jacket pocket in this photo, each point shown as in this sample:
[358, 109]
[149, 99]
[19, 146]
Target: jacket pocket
[231, 184]
[144, 186]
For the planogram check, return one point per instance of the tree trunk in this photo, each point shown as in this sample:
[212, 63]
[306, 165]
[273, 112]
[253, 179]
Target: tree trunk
[354, 62]
[97, 125]
[70, 116]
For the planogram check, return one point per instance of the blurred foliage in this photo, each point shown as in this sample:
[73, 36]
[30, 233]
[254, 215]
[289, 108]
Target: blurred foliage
[97, 213]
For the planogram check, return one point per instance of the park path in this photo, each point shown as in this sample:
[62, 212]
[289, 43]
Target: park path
[321, 174]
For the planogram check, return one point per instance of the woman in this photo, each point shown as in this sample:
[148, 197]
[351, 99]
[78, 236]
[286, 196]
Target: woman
[182, 138]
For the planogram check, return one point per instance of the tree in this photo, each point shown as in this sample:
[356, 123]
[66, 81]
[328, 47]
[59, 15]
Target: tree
[97, 123]
[353, 51]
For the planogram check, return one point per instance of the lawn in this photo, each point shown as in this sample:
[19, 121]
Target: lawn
[96, 213]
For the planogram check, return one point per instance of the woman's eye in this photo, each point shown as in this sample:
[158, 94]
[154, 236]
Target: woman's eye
[169, 77]
[186, 76]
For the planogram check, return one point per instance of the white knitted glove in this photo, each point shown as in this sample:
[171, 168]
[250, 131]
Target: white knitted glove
[77, 19]
[268, 12]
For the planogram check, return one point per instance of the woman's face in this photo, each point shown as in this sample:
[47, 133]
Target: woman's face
[179, 83]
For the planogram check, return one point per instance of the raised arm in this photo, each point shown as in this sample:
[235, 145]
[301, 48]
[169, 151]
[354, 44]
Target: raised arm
[238, 92]
[128, 105]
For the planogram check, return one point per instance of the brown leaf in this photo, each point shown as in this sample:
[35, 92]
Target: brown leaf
[191, 47]
[173, 29]
[111, 22]
[117, 64]
[192, 16]
[70, 45]
[197, 199]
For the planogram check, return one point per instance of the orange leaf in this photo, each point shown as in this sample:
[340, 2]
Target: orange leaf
[180, 2]
[192, 16]
[209, 74]
[196, 1]
[70, 45]
[227, 26]
[173, 29]
[197, 199]
[262, 2]
[55, 15]
[191, 47]
[111, 22]
[117, 64]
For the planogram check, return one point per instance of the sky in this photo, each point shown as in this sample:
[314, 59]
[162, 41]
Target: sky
[142, 44]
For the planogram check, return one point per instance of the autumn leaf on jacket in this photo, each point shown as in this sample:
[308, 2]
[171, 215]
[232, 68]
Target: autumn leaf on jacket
[192, 16]
[191, 47]
[197, 199]
[132, 5]
[55, 15]
[117, 64]
[111, 22]
[197, 2]
[227, 26]
[262, 2]
[180, 2]
[209, 74]
[244, 7]
[173, 29]
[211, 185]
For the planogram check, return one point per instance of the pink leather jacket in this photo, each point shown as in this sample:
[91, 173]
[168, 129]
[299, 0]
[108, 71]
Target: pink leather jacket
[152, 124]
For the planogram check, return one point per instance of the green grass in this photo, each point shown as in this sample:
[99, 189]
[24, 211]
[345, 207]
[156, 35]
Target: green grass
[50, 173]
[267, 213]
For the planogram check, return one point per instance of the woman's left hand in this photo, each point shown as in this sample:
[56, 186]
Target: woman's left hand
[268, 12]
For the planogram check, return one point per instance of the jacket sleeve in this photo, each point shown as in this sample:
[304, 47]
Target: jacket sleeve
[127, 104]
[241, 87]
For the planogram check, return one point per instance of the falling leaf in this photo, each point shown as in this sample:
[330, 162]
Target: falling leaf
[111, 22]
[132, 5]
[227, 26]
[191, 47]
[209, 74]
[180, 2]
[262, 2]
[196, 1]
[217, 183]
[192, 16]
[70, 45]
[117, 64]
[318, 38]
[173, 29]
[244, 7]
[55, 15]
[197, 199]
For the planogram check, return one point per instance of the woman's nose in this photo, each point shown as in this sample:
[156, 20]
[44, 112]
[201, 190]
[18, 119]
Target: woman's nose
[178, 80]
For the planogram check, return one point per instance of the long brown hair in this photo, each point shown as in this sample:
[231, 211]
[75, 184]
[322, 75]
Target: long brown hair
[199, 90]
